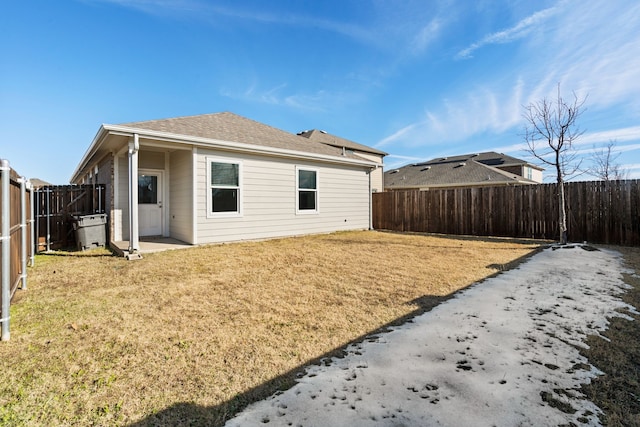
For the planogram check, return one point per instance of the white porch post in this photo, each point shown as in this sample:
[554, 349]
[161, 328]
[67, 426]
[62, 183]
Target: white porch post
[134, 147]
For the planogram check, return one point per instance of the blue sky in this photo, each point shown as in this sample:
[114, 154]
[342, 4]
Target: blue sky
[417, 79]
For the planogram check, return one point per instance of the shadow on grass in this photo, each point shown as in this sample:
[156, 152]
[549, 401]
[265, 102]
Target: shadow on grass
[190, 414]
[90, 253]
[466, 238]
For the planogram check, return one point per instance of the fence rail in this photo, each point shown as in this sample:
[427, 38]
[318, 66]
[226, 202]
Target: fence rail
[54, 208]
[597, 211]
[16, 247]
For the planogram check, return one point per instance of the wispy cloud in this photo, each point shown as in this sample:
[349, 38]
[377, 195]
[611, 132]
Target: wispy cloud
[399, 135]
[619, 135]
[410, 31]
[281, 95]
[158, 7]
[633, 169]
[483, 110]
[594, 51]
[426, 35]
[212, 11]
[520, 30]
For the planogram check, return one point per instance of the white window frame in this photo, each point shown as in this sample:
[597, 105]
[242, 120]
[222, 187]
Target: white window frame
[317, 191]
[209, 186]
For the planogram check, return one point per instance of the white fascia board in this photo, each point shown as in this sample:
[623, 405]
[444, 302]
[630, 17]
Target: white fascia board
[235, 146]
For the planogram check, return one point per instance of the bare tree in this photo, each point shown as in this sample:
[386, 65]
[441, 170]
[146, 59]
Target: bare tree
[604, 166]
[551, 132]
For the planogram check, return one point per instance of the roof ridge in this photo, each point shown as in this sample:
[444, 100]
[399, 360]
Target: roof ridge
[324, 137]
[509, 175]
[191, 116]
[230, 126]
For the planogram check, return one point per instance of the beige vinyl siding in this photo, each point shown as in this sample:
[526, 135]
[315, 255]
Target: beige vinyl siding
[536, 175]
[105, 176]
[269, 197]
[150, 159]
[377, 175]
[121, 210]
[181, 196]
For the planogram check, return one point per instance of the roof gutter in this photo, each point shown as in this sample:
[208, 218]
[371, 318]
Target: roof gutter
[106, 130]
[476, 184]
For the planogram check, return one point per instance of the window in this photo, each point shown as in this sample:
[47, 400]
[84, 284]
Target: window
[223, 188]
[529, 172]
[307, 183]
[147, 189]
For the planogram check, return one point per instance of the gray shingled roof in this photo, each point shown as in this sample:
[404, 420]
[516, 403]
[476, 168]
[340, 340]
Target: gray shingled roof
[231, 127]
[37, 182]
[336, 141]
[468, 169]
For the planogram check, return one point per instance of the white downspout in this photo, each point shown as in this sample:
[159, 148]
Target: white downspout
[370, 201]
[134, 147]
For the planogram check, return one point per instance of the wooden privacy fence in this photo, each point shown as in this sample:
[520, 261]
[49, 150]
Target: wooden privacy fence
[16, 247]
[597, 211]
[55, 206]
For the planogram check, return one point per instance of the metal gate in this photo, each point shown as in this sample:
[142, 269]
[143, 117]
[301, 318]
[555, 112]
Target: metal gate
[55, 207]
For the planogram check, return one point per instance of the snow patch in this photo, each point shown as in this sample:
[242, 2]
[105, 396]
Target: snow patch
[502, 352]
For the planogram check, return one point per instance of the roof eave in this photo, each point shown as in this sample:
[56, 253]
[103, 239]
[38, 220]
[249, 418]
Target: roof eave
[106, 130]
[368, 150]
[461, 184]
[93, 148]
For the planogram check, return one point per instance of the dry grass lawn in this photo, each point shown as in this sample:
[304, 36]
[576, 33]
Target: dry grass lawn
[617, 392]
[189, 337]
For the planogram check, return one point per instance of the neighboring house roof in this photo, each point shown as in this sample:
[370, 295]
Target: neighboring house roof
[491, 158]
[464, 170]
[37, 183]
[218, 130]
[336, 141]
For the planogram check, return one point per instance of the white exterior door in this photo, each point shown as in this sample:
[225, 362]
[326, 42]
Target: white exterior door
[150, 191]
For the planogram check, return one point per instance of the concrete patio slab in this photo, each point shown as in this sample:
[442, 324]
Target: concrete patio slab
[150, 245]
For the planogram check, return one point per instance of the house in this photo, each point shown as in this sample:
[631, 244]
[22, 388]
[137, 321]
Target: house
[377, 178]
[222, 177]
[38, 183]
[468, 170]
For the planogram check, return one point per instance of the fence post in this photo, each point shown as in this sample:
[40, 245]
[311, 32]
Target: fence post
[48, 219]
[32, 221]
[5, 236]
[23, 233]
